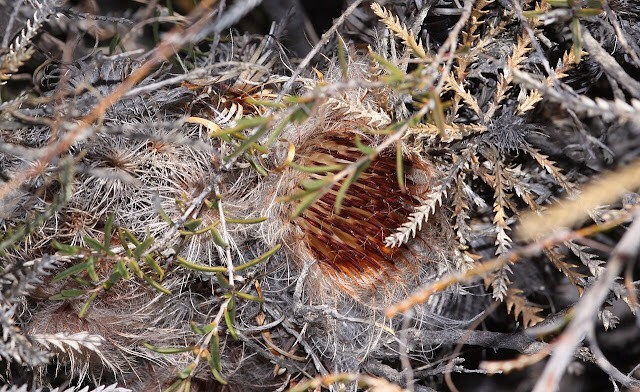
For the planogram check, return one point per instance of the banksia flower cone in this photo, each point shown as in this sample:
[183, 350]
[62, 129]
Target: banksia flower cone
[349, 245]
[343, 231]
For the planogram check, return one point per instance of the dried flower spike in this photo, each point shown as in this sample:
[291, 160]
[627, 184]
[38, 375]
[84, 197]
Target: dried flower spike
[349, 245]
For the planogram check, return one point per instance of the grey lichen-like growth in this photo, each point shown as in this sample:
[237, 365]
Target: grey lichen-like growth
[21, 48]
[222, 224]
[17, 280]
[101, 388]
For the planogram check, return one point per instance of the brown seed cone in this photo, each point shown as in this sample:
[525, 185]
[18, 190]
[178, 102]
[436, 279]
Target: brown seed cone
[349, 247]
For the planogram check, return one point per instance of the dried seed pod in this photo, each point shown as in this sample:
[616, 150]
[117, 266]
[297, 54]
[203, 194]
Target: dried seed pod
[348, 246]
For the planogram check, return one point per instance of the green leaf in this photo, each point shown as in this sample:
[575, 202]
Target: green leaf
[258, 259]
[151, 262]
[249, 297]
[532, 14]
[250, 142]
[155, 284]
[194, 327]
[269, 104]
[229, 318]
[197, 267]
[122, 237]
[146, 244]
[113, 279]
[217, 376]
[342, 57]
[214, 349]
[246, 221]
[208, 328]
[353, 177]
[277, 131]
[400, 166]
[121, 268]
[249, 122]
[559, 3]
[129, 236]
[67, 294]
[186, 372]
[222, 281]
[108, 232]
[67, 250]
[165, 217]
[438, 113]
[395, 73]
[588, 12]
[317, 169]
[217, 238]
[366, 150]
[577, 39]
[168, 350]
[135, 268]
[256, 165]
[193, 224]
[314, 185]
[86, 305]
[76, 269]
[199, 231]
[92, 269]
[305, 202]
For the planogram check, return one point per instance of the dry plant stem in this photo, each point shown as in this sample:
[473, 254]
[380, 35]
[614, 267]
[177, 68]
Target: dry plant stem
[323, 41]
[463, 340]
[534, 42]
[587, 309]
[521, 342]
[609, 64]
[267, 354]
[605, 365]
[225, 237]
[286, 324]
[450, 45]
[521, 362]
[620, 34]
[570, 213]
[172, 42]
[404, 352]
[216, 36]
[423, 294]
[12, 19]
[580, 103]
[233, 14]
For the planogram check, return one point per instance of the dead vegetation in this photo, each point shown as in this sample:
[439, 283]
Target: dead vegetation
[436, 192]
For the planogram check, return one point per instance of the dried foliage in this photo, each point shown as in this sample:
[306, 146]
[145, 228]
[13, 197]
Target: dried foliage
[204, 213]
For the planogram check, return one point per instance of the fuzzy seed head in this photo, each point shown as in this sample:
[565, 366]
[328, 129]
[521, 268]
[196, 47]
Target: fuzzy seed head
[349, 247]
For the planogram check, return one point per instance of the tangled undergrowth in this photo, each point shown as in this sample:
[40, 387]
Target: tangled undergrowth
[436, 192]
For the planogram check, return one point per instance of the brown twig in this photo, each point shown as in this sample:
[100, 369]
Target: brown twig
[172, 42]
[423, 294]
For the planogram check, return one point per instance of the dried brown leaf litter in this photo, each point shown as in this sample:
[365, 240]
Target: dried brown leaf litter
[187, 206]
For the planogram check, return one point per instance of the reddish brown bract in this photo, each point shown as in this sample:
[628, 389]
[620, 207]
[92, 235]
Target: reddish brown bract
[350, 246]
